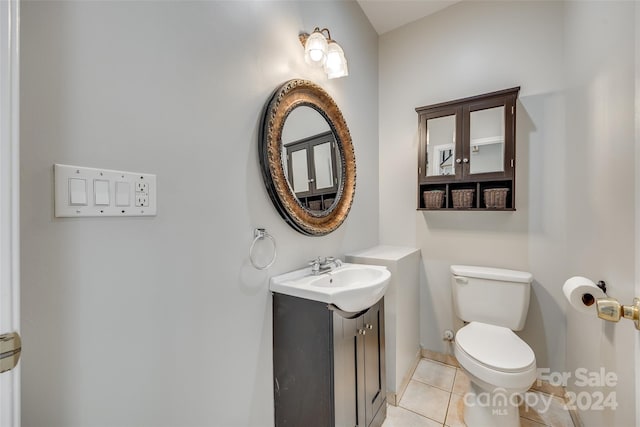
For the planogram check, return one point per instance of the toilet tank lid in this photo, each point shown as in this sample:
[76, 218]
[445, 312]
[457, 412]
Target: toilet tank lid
[491, 273]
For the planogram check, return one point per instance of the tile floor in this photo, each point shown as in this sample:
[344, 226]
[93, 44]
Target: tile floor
[434, 398]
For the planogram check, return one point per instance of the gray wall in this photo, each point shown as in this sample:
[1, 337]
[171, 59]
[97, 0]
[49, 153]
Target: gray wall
[162, 321]
[600, 106]
[575, 168]
[469, 49]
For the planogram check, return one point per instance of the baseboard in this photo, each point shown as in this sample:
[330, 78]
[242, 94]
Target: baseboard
[394, 398]
[447, 359]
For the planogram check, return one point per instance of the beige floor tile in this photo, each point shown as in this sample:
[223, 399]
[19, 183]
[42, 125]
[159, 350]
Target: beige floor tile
[426, 400]
[435, 374]
[461, 384]
[455, 413]
[528, 423]
[545, 409]
[400, 417]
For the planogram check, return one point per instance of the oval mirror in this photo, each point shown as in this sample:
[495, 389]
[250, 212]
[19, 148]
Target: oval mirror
[307, 158]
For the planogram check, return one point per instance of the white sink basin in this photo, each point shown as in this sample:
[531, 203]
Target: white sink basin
[350, 287]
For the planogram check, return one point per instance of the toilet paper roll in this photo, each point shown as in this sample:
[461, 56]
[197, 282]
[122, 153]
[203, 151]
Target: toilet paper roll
[582, 294]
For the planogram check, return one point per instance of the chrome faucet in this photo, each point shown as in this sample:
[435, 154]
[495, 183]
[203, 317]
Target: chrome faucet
[319, 265]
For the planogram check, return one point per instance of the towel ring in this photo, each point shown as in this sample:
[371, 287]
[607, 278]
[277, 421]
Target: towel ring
[260, 234]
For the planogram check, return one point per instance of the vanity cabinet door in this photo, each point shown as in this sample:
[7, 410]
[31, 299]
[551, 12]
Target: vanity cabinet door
[374, 361]
[349, 362]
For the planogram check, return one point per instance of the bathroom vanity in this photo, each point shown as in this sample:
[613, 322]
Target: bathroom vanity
[328, 365]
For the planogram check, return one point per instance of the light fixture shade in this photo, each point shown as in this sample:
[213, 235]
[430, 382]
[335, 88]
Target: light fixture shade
[315, 49]
[336, 64]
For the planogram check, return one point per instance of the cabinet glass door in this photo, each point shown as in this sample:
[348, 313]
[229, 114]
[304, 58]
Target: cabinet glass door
[441, 146]
[487, 140]
[323, 165]
[300, 171]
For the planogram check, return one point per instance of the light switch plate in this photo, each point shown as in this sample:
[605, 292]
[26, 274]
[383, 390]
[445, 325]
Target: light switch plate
[145, 181]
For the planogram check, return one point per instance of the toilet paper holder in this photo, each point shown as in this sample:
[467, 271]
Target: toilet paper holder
[611, 310]
[589, 299]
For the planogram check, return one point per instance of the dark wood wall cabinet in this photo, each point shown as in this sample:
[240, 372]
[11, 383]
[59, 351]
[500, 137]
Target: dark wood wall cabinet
[328, 365]
[466, 159]
[312, 170]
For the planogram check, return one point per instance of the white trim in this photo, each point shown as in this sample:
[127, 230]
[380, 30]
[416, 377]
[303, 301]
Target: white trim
[637, 199]
[9, 201]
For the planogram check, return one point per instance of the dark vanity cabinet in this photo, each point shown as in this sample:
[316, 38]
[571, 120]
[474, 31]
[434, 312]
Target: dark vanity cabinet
[467, 147]
[328, 365]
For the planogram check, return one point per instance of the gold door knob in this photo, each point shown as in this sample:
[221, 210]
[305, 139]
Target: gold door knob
[611, 310]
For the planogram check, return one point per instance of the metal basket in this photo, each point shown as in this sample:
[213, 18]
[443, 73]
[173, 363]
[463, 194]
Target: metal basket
[433, 199]
[462, 198]
[496, 198]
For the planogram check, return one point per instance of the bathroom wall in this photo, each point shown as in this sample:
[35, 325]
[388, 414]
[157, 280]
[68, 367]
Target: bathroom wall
[162, 321]
[575, 204]
[469, 49]
[600, 105]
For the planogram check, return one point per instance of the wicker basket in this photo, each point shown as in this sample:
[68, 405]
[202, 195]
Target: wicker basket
[328, 203]
[315, 205]
[496, 198]
[433, 199]
[462, 198]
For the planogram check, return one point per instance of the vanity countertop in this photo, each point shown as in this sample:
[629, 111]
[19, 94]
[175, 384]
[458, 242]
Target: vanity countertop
[386, 252]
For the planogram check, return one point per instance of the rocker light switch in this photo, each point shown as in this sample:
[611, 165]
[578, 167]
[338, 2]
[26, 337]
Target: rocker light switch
[77, 192]
[122, 194]
[101, 192]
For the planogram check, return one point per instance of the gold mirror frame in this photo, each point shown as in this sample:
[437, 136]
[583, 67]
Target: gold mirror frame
[292, 94]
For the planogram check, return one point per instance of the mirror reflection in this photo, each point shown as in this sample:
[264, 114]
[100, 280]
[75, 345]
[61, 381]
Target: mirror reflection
[311, 158]
[441, 140]
[487, 140]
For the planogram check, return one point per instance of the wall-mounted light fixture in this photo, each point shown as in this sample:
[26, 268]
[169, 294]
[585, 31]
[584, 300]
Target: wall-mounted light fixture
[323, 51]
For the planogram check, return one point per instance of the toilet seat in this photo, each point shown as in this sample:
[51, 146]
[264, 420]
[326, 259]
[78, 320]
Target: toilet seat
[495, 355]
[495, 347]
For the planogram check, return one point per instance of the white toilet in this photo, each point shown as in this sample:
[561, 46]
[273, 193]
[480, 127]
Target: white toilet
[500, 365]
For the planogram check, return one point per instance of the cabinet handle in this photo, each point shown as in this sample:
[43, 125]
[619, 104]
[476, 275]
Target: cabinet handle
[458, 160]
[466, 160]
[368, 326]
[362, 332]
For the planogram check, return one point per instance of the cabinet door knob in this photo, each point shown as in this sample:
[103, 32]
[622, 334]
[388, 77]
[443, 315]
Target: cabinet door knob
[362, 332]
[368, 326]
[466, 160]
[458, 160]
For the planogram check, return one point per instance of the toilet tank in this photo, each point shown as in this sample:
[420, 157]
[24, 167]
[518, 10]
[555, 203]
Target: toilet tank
[491, 295]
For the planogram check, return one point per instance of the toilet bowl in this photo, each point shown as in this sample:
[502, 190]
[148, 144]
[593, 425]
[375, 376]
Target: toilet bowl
[500, 365]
